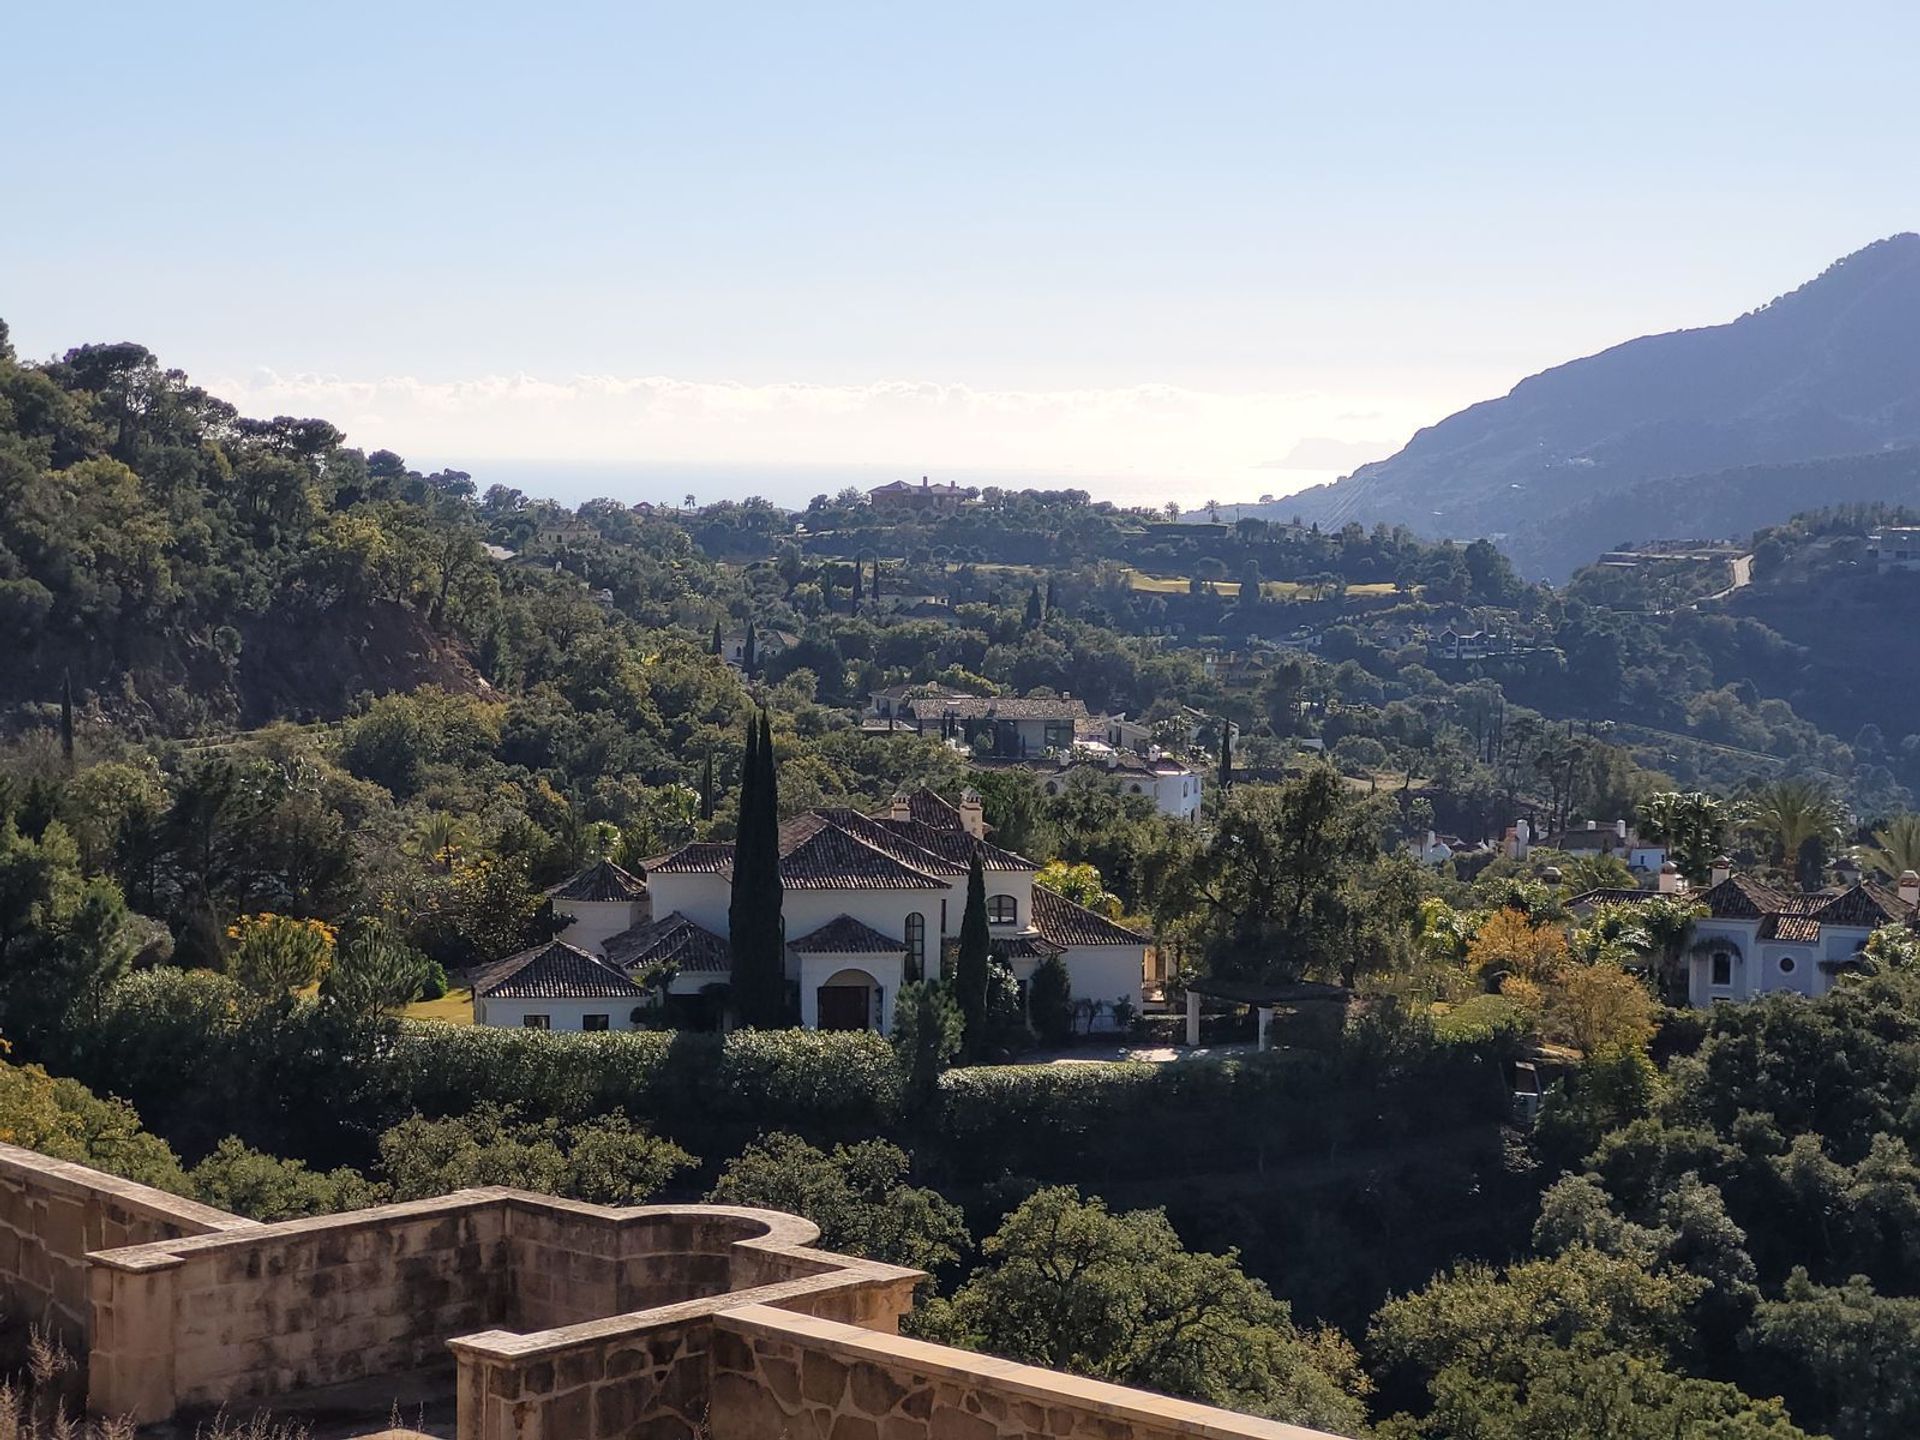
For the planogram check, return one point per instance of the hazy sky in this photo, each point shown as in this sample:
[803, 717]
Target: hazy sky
[1190, 242]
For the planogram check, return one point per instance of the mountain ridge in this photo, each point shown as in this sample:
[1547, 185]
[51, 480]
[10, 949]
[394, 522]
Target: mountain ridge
[1829, 369]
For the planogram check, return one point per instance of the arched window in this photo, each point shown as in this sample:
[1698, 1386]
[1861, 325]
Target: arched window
[1003, 910]
[1721, 975]
[916, 945]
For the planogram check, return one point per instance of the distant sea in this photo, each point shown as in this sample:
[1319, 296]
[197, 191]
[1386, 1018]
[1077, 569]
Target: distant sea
[792, 486]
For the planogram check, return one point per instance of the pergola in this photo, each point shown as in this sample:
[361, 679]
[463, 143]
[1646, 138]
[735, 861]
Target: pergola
[1265, 997]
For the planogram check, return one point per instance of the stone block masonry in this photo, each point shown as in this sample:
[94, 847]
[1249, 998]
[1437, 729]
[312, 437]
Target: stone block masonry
[53, 1213]
[543, 1319]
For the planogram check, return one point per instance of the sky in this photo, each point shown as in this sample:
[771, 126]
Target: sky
[1164, 251]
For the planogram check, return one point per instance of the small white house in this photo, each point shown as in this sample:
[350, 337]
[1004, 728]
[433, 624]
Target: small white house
[555, 986]
[598, 903]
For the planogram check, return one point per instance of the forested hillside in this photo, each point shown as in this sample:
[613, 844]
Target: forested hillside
[1830, 370]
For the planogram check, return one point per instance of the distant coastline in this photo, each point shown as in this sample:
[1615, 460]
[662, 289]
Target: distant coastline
[792, 486]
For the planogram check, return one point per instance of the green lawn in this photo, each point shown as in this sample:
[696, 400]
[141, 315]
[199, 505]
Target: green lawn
[453, 1008]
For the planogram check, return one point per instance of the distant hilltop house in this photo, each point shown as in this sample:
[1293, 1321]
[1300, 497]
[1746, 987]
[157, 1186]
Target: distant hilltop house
[1468, 645]
[905, 495]
[1895, 547]
[1174, 787]
[870, 903]
[1014, 727]
[766, 644]
[1437, 849]
[1643, 857]
[1755, 940]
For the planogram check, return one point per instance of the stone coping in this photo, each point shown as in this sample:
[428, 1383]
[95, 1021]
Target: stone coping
[776, 1232]
[1005, 1377]
[67, 1177]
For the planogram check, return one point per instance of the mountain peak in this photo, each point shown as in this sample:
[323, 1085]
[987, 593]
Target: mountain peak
[1831, 368]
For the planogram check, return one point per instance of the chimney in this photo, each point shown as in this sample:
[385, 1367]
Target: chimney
[1593, 824]
[901, 808]
[1909, 888]
[1670, 881]
[973, 819]
[1522, 839]
[1432, 840]
[1620, 829]
[1722, 867]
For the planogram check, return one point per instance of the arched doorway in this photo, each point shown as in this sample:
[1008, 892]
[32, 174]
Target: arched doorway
[849, 1000]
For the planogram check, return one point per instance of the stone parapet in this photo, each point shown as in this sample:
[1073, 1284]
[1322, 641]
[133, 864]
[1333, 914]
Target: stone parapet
[806, 1378]
[53, 1213]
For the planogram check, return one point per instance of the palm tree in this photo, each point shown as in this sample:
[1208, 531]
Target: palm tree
[1791, 815]
[1895, 848]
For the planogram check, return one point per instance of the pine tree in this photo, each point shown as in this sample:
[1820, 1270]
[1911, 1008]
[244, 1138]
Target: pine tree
[706, 788]
[1226, 756]
[970, 966]
[1035, 611]
[66, 721]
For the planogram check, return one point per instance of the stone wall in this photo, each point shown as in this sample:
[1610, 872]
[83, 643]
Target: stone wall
[798, 1377]
[650, 1373]
[53, 1213]
[241, 1317]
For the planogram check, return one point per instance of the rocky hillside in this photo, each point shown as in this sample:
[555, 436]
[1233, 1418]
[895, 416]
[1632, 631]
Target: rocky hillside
[1830, 370]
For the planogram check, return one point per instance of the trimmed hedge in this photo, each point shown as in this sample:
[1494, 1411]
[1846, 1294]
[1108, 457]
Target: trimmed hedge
[300, 1080]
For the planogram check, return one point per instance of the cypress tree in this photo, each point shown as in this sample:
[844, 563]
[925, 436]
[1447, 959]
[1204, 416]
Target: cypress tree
[1053, 595]
[717, 642]
[749, 652]
[66, 721]
[970, 967]
[856, 587]
[706, 788]
[1035, 610]
[1226, 756]
[753, 916]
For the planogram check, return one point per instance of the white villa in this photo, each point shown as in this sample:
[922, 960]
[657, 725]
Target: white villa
[1755, 940]
[870, 903]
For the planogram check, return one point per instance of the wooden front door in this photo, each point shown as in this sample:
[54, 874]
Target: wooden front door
[844, 1007]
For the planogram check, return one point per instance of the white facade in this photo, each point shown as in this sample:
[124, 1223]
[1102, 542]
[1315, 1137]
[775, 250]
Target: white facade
[595, 921]
[1746, 967]
[555, 1014]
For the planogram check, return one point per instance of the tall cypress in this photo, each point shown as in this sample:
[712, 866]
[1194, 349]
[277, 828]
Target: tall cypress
[1053, 595]
[66, 721]
[717, 644]
[749, 652]
[706, 788]
[1035, 609]
[1226, 756]
[753, 916]
[970, 966]
[856, 587]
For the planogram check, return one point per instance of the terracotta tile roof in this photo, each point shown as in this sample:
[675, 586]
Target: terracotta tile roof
[1739, 898]
[895, 839]
[816, 854]
[956, 846]
[1061, 922]
[704, 857]
[844, 935]
[1610, 895]
[1864, 904]
[673, 940]
[924, 806]
[1797, 929]
[603, 881]
[1008, 707]
[554, 971]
